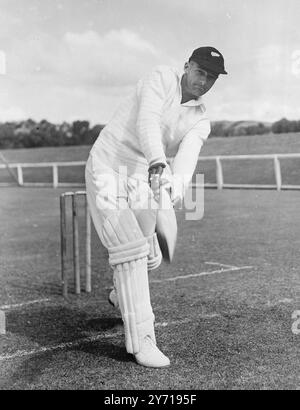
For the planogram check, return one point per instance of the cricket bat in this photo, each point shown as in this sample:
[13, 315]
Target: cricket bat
[166, 222]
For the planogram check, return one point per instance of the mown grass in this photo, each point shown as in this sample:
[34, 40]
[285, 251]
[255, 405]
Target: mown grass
[244, 171]
[238, 334]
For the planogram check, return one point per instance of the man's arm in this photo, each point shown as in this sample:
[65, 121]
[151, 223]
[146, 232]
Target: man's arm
[185, 161]
[151, 92]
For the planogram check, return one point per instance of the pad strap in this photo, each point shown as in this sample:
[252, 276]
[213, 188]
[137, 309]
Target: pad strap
[128, 252]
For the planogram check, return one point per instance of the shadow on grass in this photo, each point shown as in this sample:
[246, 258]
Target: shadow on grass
[54, 325]
[48, 325]
[35, 369]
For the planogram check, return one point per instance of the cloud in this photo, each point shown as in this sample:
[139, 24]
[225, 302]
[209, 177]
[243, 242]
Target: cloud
[84, 75]
[57, 102]
[116, 58]
[66, 67]
[8, 23]
[252, 107]
[12, 113]
[113, 39]
[295, 66]
[277, 62]
[271, 60]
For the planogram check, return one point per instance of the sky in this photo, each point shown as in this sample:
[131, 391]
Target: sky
[66, 60]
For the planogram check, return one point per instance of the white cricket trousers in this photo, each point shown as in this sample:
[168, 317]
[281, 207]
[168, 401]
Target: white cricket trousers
[123, 210]
[109, 191]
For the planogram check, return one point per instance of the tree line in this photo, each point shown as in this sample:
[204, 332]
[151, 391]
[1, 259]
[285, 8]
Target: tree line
[29, 133]
[242, 128]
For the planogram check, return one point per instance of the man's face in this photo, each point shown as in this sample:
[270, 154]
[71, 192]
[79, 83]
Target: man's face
[198, 81]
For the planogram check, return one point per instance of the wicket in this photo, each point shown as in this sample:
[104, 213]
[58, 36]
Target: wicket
[75, 235]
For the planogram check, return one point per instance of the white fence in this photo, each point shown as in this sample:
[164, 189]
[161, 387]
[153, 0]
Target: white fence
[220, 184]
[54, 165]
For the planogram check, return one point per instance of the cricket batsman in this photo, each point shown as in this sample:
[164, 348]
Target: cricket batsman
[127, 174]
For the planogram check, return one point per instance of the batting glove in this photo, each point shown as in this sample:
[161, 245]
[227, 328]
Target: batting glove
[154, 178]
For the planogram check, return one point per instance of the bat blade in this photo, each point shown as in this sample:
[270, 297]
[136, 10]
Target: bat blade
[166, 231]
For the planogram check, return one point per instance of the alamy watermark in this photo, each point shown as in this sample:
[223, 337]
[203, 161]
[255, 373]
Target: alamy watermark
[117, 190]
[296, 322]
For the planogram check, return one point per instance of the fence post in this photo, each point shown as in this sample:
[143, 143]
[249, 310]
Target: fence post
[277, 172]
[219, 173]
[55, 175]
[20, 174]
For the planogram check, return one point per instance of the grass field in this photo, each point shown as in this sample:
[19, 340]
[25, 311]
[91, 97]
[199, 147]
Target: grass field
[246, 172]
[228, 326]
[223, 308]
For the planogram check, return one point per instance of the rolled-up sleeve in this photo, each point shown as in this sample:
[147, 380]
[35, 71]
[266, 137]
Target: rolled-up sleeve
[151, 93]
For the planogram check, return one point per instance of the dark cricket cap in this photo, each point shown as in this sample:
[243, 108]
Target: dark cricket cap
[210, 59]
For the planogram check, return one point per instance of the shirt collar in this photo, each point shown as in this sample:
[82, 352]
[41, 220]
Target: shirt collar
[193, 103]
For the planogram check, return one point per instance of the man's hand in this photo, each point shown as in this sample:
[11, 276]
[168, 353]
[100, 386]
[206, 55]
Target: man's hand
[154, 178]
[177, 202]
[155, 169]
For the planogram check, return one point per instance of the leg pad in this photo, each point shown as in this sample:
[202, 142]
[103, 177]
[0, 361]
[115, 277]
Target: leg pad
[131, 281]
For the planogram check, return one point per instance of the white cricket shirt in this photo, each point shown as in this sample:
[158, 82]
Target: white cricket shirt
[151, 124]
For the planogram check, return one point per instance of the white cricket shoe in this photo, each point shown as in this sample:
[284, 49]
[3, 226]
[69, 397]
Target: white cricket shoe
[150, 356]
[113, 298]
